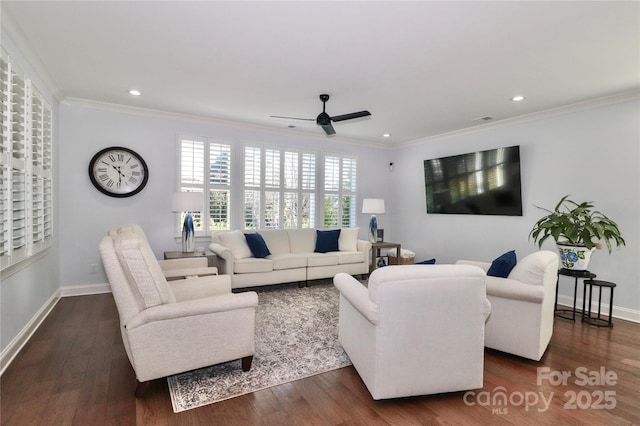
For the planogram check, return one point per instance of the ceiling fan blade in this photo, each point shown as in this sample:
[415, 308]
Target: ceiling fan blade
[292, 118]
[328, 129]
[350, 116]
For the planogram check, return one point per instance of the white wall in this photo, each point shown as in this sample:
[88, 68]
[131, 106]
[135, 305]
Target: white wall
[23, 293]
[592, 154]
[86, 214]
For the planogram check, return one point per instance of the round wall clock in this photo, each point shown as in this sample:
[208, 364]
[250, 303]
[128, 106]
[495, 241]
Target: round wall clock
[118, 172]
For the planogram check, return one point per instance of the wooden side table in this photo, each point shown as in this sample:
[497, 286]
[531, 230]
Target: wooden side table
[212, 259]
[375, 252]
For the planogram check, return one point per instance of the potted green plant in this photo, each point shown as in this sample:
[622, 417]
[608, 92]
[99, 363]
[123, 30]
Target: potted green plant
[576, 227]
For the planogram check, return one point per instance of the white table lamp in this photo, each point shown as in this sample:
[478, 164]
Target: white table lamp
[187, 202]
[373, 206]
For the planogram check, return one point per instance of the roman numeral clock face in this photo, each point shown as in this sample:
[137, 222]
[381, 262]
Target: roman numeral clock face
[118, 172]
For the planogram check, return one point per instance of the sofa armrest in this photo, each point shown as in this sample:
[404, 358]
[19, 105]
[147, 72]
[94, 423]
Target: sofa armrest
[358, 296]
[482, 265]
[193, 288]
[225, 258]
[507, 288]
[190, 308]
[364, 246]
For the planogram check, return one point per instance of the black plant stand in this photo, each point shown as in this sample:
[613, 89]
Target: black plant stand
[564, 313]
[593, 320]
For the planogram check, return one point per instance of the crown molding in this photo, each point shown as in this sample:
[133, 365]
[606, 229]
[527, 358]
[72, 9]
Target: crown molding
[552, 112]
[148, 112]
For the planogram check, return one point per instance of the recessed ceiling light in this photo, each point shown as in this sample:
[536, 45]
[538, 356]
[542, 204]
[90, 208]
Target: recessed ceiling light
[134, 92]
[386, 135]
[517, 98]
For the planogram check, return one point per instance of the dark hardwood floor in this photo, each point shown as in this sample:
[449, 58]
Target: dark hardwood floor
[74, 371]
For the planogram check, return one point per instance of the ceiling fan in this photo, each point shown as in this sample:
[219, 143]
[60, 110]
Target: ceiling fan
[324, 120]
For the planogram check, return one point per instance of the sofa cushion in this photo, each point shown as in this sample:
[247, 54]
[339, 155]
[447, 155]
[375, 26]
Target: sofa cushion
[257, 245]
[348, 240]
[277, 240]
[142, 270]
[252, 265]
[288, 261]
[345, 257]
[327, 241]
[302, 240]
[322, 259]
[502, 266]
[236, 242]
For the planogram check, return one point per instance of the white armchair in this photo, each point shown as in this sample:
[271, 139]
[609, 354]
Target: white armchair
[416, 329]
[172, 327]
[521, 320]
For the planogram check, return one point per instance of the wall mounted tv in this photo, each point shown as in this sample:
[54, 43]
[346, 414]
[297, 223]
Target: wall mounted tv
[481, 183]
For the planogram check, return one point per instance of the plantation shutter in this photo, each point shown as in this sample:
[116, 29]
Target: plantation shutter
[205, 167]
[26, 223]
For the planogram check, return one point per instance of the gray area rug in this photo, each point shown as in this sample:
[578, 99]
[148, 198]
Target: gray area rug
[296, 337]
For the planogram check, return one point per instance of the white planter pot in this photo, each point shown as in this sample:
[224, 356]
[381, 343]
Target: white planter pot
[575, 258]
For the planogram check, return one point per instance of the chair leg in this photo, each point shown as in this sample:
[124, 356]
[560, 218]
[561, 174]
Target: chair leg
[141, 388]
[246, 363]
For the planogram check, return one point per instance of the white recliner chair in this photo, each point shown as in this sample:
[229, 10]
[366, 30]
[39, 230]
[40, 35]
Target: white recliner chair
[522, 305]
[176, 326]
[416, 329]
[172, 269]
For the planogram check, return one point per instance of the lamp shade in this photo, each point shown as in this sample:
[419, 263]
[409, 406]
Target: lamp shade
[373, 206]
[187, 202]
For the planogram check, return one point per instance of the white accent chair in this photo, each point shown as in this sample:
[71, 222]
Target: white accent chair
[521, 320]
[177, 326]
[172, 269]
[416, 329]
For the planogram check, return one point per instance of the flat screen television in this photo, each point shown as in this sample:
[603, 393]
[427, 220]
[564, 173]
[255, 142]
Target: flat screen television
[481, 183]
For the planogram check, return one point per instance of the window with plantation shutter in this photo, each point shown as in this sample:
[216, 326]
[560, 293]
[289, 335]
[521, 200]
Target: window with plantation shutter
[205, 167]
[26, 223]
[279, 188]
[340, 177]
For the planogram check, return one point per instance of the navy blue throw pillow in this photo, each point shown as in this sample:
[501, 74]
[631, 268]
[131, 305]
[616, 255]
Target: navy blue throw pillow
[502, 266]
[327, 241]
[257, 245]
[427, 262]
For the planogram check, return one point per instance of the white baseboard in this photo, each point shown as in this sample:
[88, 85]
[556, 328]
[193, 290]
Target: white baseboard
[84, 290]
[12, 349]
[618, 312]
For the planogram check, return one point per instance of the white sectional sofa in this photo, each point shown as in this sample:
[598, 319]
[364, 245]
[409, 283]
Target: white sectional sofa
[293, 257]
